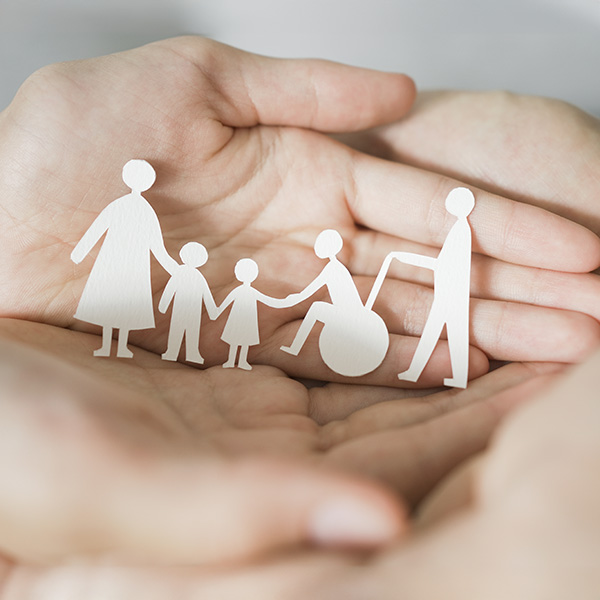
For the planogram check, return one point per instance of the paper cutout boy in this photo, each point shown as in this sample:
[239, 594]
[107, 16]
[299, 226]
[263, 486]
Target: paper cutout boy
[188, 291]
[118, 292]
[241, 329]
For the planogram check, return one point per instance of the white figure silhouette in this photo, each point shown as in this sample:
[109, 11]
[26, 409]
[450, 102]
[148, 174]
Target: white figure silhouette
[450, 307]
[118, 292]
[188, 290]
[241, 329]
[354, 339]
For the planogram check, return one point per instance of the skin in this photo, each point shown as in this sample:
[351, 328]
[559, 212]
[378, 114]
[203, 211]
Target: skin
[140, 445]
[209, 119]
[513, 536]
[504, 143]
[204, 115]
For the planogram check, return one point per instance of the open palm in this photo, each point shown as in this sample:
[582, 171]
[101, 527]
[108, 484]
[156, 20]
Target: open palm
[230, 175]
[168, 463]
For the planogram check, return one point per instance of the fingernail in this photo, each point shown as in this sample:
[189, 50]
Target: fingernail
[346, 522]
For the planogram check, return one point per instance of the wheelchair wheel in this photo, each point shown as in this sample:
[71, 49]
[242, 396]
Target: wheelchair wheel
[354, 343]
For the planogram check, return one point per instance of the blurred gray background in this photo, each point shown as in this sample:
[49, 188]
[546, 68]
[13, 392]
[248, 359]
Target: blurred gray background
[543, 47]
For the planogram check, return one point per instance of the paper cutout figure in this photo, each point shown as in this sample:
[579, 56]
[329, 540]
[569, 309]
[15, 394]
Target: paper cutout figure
[188, 290]
[451, 288]
[118, 293]
[354, 339]
[241, 329]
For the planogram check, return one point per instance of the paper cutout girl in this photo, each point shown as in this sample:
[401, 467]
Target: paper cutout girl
[451, 287]
[354, 339]
[188, 290]
[241, 329]
[118, 293]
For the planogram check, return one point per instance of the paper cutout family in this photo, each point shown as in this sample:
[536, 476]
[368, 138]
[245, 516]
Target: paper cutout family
[354, 339]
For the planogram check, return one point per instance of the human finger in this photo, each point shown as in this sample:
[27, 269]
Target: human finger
[504, 147]
[408, 202]
[430, 449]
[314, 94]
[286, 577]
[346, 412]
[512, 331]
[69, 489]
[491, 279]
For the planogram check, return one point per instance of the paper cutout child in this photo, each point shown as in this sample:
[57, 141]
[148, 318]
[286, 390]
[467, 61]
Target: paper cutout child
[188, 290]
[241, 329]
[118, 293]
[354, 339]
[450, 307]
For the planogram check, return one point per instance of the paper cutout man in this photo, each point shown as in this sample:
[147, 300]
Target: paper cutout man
[118, 293]
[241, 329]
[450, 307]
[354, 339]
[188, 290]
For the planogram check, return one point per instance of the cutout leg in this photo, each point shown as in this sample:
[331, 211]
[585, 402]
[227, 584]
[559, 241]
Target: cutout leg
[192, 343]
[243, 361]
[458, 344]
[231, 360]
[315, 313]
[122, 350]
[173, 343]
[427, 343]
[104, 350]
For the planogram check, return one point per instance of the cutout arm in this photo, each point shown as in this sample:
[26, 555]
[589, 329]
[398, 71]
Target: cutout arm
[273, 302]
[416, 260]
[228, 300]
[90, 238]
[167, 296]
[318, 282]
[166, 261]
[408, 258]
[157, 247]
[209, 302]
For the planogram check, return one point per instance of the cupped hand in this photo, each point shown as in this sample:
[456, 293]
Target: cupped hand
[527, 527]
[539, 151]
[164, 463]
[241, 169]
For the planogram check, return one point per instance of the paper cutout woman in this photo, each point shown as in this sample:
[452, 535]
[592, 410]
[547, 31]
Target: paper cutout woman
[188, 290]
[451, 289]
[354, 339]
[118, 293]
[241, 329]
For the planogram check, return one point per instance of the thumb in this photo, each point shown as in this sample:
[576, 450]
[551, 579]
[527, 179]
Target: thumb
[191, 512]
[222, 510]
[315, 94]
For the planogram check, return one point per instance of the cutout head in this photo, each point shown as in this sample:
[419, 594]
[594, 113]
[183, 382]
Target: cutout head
[328, 243]
[139, 175]
[193, 254]
[460, 202]
[246, 270]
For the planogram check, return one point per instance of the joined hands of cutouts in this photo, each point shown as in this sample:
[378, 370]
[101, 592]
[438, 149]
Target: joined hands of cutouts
[242, 173]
